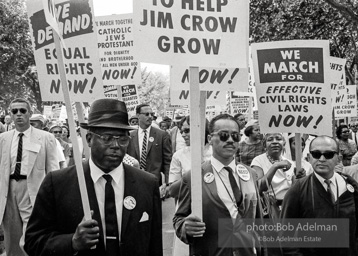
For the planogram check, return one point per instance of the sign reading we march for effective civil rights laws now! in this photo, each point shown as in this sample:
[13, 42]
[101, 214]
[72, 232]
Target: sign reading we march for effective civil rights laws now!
[210, 33]
[293, 86]
[81, 54]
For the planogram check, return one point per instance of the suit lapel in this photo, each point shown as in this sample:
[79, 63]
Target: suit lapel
[7, 150]
[135, 141]
[212, 185]
[93, 203]
[129, 190]
[152, 134]
[34, 149]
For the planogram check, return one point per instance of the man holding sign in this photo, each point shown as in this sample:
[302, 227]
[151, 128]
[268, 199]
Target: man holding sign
[124, 201]
[229, 194]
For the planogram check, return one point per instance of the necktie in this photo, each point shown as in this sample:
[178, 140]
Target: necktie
[18, 158]
[143, 158]
[235, 188]
[112, 236]
[329, 191]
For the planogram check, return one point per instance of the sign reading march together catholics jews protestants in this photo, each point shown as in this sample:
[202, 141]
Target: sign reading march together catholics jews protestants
[211, 33]
[119, 65]
[293, 86]
[76, 25]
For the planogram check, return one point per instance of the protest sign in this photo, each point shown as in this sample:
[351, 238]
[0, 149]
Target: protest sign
[182, 96]
[196, 33]
[338, 84]
[212, 79]
[130, 97]
[81, 55]
[293, 86]
[350, 108]
[115, 47]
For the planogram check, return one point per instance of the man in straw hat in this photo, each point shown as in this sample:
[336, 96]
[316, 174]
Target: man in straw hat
[125, 204]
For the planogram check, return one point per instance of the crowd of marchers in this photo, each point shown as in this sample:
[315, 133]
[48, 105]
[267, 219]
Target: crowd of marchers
[135, 163]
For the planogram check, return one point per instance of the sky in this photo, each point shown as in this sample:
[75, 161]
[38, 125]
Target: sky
[109, 7]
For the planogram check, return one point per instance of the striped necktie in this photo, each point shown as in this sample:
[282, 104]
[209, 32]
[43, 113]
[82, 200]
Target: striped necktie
[234, 186]
[143, 158]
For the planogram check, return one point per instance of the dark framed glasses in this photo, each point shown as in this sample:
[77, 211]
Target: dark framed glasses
[328, 154]
[15, 110]
[224, 136]
[185, 130]
[148, 114]
[107, 139]
[55, 132]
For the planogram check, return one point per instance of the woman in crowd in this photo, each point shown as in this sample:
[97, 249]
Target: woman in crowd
[56, 130]
[66, 134]
[275, 173]
[347, 146]
[181, 160]
[180, 164]
[252, 145]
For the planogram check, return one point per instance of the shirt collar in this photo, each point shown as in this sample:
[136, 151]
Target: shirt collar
[142, 130]
[321, 179]
[96, 173]
[219, 166]
[26, 133]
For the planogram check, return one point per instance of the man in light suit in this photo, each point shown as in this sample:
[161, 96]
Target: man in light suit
[124, 200]
[8, 123]
[229, 194]
[22, 169]
[157, 155]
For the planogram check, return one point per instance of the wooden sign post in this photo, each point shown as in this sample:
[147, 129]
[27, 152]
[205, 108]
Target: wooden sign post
[71, 124]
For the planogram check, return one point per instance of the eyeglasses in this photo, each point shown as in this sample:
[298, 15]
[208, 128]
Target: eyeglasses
[122, 140]
[148, 114]
[345, 131]
[15, 110]
[224, 136]
[185, 130]
[55, 132]
[327, 154]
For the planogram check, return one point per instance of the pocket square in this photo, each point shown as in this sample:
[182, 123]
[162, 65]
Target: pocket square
[145, 217]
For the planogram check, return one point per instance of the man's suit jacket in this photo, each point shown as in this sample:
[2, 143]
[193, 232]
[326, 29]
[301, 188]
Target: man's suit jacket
[214, 210]
[159, 152]
[58, 211]
[42, 160]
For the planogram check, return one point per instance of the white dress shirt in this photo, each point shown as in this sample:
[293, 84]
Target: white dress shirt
[118, 187]
[221, 178]
[25, 153]
[140, 138]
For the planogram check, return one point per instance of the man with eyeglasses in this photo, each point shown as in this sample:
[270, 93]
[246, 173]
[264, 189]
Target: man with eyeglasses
[26, 156]
[353, 133]
[151, 146]
[323, 194]
[229, 194]
[125, 203]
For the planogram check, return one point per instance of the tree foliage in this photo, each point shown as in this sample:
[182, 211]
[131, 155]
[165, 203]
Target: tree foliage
[18, 77]
[154, 90]
[333, 20]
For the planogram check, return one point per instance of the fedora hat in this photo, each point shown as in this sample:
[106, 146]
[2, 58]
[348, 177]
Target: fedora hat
[108, 113]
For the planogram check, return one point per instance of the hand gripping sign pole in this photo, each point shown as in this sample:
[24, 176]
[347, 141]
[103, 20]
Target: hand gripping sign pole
[71, 123]
[197, 115]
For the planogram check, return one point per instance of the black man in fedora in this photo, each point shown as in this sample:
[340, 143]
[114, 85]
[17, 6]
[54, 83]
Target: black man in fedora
[126, 218]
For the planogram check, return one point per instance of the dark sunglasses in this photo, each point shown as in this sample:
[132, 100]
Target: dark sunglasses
[186, 130]
[345, 131]
[15, 110]
[57, 132]
[327, 154]
[147, 114]
[224, 136]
